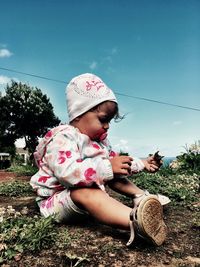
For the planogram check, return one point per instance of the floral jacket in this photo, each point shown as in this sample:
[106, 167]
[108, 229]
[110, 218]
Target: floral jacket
[67, 158]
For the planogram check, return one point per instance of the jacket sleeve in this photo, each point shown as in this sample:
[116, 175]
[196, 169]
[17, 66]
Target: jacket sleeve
[137, 165]
[63, 157]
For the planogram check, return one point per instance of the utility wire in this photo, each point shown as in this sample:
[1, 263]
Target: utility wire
[159, 102]
[33, 75]
[125, 95]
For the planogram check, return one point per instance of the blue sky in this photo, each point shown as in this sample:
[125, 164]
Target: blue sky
[148, 49]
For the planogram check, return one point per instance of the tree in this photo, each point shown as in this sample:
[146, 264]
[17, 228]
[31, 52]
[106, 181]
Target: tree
[7, 140]
[25, 113]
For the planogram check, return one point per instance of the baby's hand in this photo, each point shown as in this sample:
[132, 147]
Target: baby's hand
[121, 165]
[158, 158]
[153, 162]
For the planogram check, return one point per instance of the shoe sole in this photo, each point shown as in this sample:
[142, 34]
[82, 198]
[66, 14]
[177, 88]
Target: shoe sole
[150, 220]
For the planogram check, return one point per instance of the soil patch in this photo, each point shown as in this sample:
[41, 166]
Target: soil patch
[11, 176]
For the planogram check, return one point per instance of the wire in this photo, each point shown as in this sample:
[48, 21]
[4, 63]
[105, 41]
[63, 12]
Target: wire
[125, 95]
[33, 75]
[158, 102]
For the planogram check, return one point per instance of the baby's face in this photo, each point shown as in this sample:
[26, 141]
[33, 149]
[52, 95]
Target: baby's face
[95, 123]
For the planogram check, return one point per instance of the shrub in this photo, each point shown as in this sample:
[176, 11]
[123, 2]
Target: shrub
[20, 233]
[27, 170]
[17, 188]
[190, 160]
[180, 188]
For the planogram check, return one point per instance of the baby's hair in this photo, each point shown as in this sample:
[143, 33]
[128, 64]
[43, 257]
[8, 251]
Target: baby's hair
[115, 114]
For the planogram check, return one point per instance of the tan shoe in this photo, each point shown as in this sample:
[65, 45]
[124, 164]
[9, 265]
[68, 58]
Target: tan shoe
[146, 220]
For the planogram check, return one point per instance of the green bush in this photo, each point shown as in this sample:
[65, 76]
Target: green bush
[16, 188]
[26, 170]
[18, 160]
[190, 160]
[179, 187]
[19, 233]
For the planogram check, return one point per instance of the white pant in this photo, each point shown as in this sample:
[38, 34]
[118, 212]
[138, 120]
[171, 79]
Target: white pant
[61, 205]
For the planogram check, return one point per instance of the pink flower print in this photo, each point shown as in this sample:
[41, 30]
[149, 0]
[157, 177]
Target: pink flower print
[96, 146]
[49, 203]
[63, 155]
[48, 134]
[97, 85]
[43, 203]
[79, 160]
[43, 179]
[112, 154]
[61, 160]
[39, 162]
[61, 202]
[68, 154]
[90, 174]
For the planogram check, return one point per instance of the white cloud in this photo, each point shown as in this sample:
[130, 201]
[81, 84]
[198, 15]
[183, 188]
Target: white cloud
[111, 53]
[121, 146]
[114, 51]
[177, 122]
[123, 141]
[4, 80]
[5, 53]
[107, 59]
[104, 61]
[93, 65]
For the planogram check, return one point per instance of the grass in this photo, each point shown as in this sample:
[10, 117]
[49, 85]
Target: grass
[15, 189]
[20, 232]
[26, 170]
[181, 188]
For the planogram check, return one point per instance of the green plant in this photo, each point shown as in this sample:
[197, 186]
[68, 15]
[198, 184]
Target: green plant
[190, 160]
[63, 239]
[16, 188]
[26, 170]
[75, 260]
[19, 233]
[179, 187]
[17, 160]
[153, 182]
[183, 188]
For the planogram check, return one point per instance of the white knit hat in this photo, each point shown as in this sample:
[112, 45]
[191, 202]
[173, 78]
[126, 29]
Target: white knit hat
[85, 92]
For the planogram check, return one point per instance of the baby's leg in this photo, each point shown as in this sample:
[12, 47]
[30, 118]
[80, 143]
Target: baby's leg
[129, 189]
[101, 206]
[147, 216]
[125, 187]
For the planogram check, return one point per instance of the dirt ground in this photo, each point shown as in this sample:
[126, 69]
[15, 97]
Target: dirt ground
[103, 246]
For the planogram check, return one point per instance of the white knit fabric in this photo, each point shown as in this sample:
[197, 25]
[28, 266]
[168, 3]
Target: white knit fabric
[137, 165]
[85, 92]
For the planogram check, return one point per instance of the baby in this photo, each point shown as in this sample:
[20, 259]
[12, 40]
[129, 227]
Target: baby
[76, 163]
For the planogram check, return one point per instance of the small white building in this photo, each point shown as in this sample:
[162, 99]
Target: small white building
[4, 156]
[20, 144]
[23, 153]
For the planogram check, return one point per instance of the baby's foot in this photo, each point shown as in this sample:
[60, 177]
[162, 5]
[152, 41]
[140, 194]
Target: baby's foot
[146, 220]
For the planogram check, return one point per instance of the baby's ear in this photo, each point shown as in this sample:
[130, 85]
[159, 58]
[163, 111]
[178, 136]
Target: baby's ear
[77, 119]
